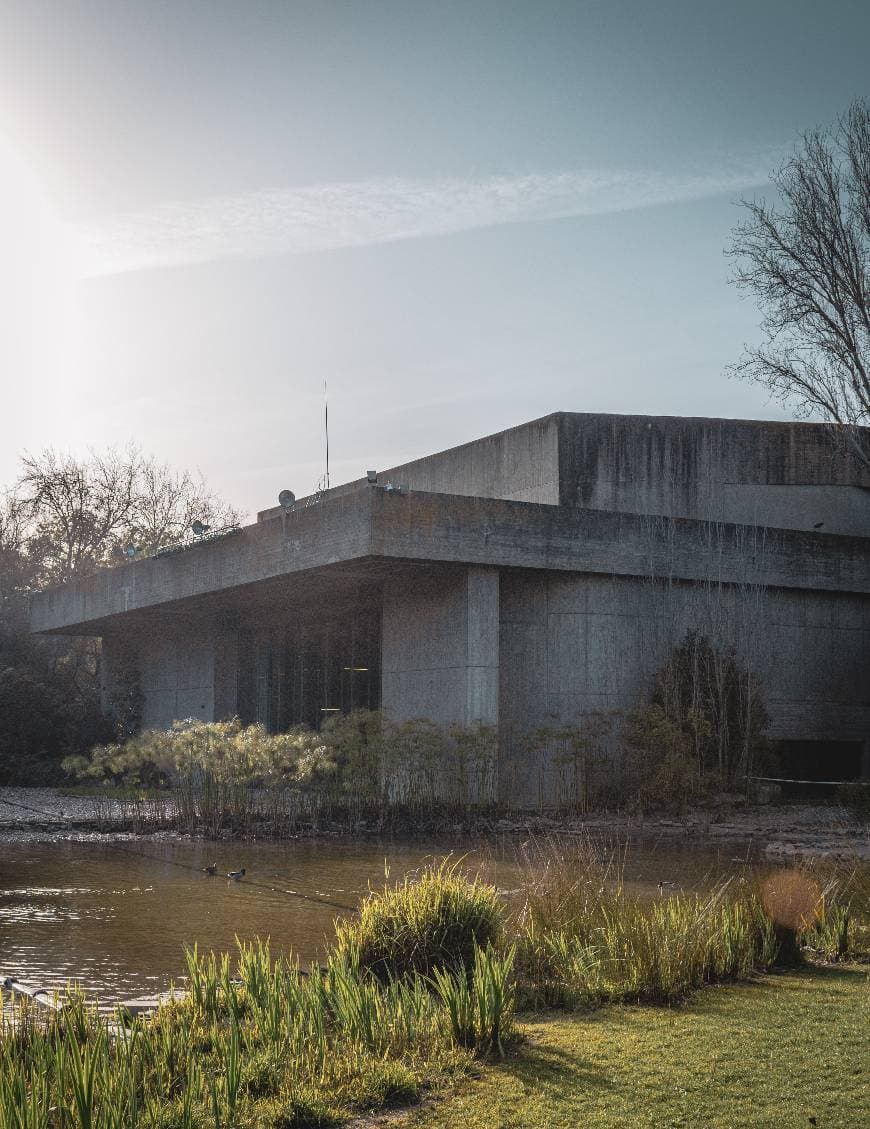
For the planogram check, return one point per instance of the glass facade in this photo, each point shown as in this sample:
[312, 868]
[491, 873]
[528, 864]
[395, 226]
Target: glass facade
[307, 671]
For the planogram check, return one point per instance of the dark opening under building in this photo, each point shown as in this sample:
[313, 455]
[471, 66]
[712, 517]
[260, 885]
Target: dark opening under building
[520, 581]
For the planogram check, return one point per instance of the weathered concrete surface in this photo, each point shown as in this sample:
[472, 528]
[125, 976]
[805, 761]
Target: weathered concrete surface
[572, 645]
[440, 647]
[462, 530]
[787, 475]
[311, 538]
[512, 534]
[482, 649]
[446, 528]
[174, 667]
[520, 464]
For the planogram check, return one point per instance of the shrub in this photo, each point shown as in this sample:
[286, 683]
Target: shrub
[435, 920]
[717, 703]
[660, 770]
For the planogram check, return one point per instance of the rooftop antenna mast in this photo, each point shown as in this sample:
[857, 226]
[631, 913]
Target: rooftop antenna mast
[326, 429]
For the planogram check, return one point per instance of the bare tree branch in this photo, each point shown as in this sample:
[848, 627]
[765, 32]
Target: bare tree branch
[76, 514]
[806, 260]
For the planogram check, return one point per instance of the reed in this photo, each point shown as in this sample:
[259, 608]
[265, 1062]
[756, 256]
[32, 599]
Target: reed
[253, 1039]
[584, 940]
[213, 777]
[480, 1006]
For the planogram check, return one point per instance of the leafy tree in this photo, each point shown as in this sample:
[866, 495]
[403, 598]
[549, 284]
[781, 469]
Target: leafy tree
[806, 260]
[49, 702]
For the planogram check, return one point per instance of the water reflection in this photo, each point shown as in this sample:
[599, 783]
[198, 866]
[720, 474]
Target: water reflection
[115, 916]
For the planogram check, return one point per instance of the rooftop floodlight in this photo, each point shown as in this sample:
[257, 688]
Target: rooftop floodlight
[286, 500]
[356, 669]
[199, 527]
[372, 477]
[330, 709]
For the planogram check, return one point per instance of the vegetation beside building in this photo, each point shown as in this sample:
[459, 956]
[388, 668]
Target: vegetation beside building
[701, 732]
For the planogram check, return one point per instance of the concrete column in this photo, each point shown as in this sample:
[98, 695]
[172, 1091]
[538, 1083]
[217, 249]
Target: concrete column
[440, 647]
[482, 632]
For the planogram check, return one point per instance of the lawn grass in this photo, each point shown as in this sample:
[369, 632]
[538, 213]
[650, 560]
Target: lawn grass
[779, 1051]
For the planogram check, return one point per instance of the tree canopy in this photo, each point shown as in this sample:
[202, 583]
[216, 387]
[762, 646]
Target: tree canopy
[66, 516]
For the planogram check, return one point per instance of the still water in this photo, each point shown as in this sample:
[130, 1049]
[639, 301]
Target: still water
[115, 916]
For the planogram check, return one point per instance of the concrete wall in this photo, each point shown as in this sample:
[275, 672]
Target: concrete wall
[176, 669]
[786, 475]
[440, 647]
[520, 465]
[574, 644]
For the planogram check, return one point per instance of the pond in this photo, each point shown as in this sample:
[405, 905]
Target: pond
[115, 915]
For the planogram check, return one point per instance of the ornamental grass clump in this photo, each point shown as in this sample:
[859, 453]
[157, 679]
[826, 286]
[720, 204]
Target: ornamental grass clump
[585, 940]
[437, 919]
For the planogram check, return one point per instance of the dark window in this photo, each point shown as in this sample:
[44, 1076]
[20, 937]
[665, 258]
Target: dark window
[821, 760]
[329, 667]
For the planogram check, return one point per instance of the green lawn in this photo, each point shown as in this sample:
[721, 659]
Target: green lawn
[779, 1052]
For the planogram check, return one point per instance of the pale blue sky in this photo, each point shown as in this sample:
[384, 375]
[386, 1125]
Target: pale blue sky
[462, 215]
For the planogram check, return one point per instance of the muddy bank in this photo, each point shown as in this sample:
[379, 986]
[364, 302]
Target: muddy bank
[777, 831]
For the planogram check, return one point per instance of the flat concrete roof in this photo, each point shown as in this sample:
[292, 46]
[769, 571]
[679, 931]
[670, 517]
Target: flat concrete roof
[371, 530]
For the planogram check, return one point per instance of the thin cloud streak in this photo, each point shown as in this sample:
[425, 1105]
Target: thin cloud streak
[328, 217]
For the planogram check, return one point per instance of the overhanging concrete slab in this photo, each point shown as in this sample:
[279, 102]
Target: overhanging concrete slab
[369, 530]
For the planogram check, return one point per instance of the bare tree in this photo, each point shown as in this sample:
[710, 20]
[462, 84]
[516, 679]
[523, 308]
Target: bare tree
[167, 502]
[79, 507]
[82, 511]
[807, 262]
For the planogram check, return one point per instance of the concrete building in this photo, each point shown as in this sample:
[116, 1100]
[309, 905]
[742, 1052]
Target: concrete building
[521, 580]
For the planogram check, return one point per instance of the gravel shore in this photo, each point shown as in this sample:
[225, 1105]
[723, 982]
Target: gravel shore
[51, 807]
[778, 831]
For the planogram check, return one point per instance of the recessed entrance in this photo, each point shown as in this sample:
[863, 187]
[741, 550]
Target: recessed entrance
[308, 671]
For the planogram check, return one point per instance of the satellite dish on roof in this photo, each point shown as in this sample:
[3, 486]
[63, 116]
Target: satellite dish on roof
[199, 528]
[286, 499]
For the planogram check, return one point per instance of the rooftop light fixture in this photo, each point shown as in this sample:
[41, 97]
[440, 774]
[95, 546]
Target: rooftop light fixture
[330, 709]
[355, 669]
[372, 477]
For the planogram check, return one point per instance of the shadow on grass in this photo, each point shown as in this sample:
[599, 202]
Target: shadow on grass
[536, 1061]
[535, 1064]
